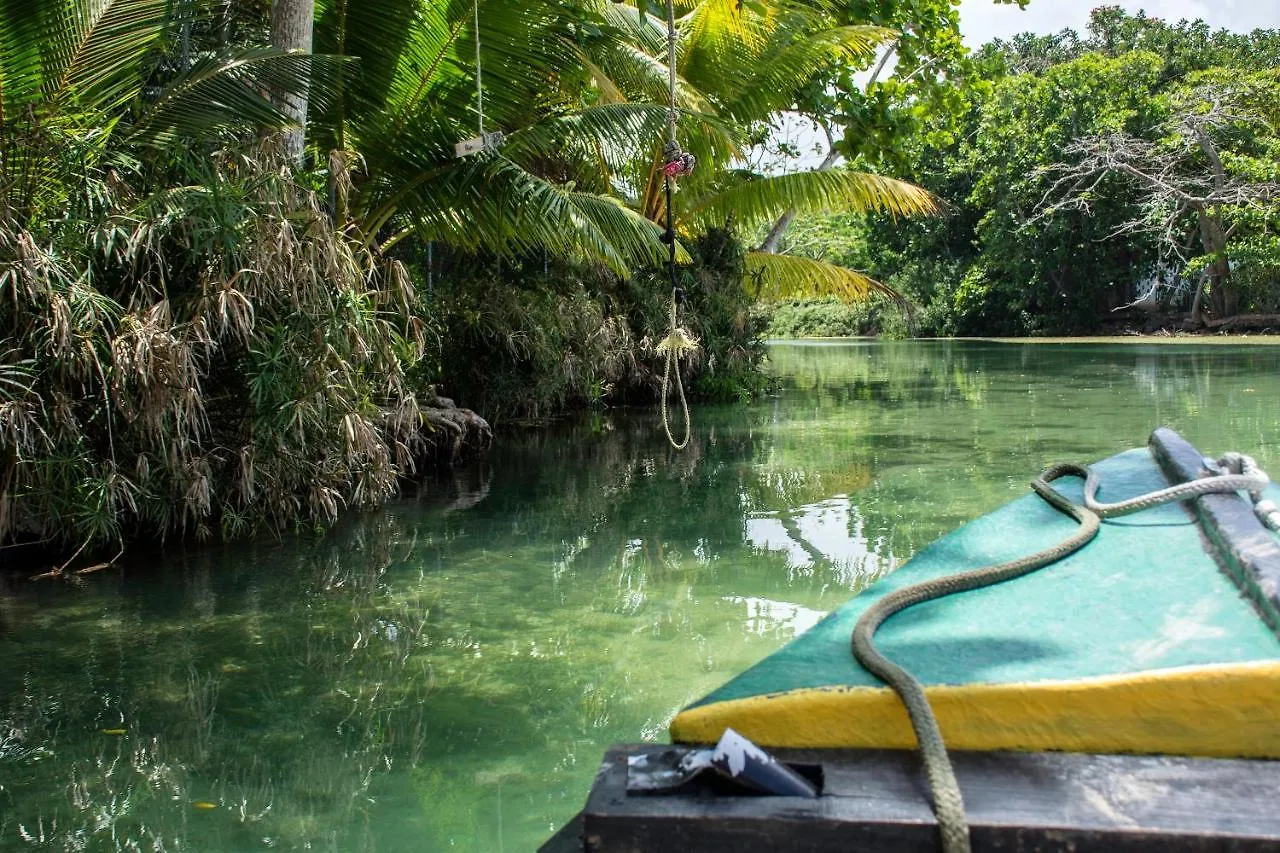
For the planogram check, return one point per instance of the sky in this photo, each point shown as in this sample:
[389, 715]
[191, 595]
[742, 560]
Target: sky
[983, 20]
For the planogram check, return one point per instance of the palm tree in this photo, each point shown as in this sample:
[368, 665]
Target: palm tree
[188, 342]
[291, 30]
[738, 64]
[88, 70]
[415, 96]
[583, 105]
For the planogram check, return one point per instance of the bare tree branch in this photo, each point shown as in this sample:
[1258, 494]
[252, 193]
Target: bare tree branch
[1179, 174]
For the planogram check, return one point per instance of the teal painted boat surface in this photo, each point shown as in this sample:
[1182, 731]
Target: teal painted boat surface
[1144, 595]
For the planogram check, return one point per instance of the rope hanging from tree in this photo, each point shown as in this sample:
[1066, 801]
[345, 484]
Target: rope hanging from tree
[483, 141]
[676, 163]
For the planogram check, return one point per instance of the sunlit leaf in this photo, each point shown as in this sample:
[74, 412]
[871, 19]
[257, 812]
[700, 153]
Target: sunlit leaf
[774, 278]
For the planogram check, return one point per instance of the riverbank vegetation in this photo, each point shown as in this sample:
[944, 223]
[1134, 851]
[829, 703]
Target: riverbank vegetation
[244, 275]
[1128, 176]
[239, 259]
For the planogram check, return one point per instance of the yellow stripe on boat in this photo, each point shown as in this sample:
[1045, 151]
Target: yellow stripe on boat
[1223, 711]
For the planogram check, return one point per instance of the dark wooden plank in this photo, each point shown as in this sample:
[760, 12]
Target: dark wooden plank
[875, 800]
[1246, 550]
[567, 840]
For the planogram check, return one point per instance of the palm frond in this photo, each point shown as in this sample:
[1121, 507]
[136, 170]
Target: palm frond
[609, 138]
[774, 278]
[770, 82]
[228, 93]
[21, 62]
[753, 202]
[99, 48]
[606, 230]
[646, 77]
[494, 205]
[720, 26]
[405, 110]
[646, 30]
[609, 92]
[616, 131]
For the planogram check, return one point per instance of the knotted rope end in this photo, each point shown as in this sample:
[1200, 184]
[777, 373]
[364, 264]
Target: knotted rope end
[679, 342]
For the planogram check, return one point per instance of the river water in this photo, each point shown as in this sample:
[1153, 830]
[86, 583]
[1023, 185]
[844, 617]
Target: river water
[446, 673]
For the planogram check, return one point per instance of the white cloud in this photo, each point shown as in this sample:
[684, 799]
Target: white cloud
[983, 20]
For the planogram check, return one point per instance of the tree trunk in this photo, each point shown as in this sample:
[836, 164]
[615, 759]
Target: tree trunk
[1197, 304]
[1226, 301]
[1213, 238]
[291, 28]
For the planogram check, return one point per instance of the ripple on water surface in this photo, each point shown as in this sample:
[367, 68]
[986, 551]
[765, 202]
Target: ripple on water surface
[445, 674]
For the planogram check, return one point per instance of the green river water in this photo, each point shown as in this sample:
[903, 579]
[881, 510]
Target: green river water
[445, 674]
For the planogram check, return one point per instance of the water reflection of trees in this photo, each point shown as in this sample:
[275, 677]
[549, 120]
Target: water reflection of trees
[628, 501]
[173, 725]
[430, 657]
[885, 374]
[406, 678]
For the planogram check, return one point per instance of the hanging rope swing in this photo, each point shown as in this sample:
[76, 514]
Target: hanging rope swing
[482, 141]
[676, 164]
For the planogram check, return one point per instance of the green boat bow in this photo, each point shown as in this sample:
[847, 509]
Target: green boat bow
[1160, 636]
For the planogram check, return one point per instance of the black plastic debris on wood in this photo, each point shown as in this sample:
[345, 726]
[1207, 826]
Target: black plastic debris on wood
[875, 800]
[734, 766]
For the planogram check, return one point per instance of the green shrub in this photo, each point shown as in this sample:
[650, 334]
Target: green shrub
[819, 318]
[527, 341]
[216, 357]
[832, 318]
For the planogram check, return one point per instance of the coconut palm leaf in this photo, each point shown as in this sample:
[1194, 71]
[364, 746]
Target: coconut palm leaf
[404, 116]
[427, 63]
[99, 48]
[717, 27]
[21, 62]
[493, 204]
[774, 278]
[615, 132]
[607, 141]
[84, 79]
[605, 228]
[221, 93]
[95, 49]
[96, 56]
[607, 91]
[642, 27]
[757, 200]
[787, 64]
[643, 76]
[752, 58]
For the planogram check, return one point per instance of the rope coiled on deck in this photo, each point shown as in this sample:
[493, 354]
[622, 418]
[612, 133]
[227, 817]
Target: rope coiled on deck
[1232, 473]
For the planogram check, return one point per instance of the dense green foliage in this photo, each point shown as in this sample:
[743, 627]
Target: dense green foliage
[819, 318]
[1080, 175]
[188, 343]
[203, 335]
[551, 338]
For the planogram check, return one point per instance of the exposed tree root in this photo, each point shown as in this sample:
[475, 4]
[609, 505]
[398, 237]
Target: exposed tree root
[453, 435]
